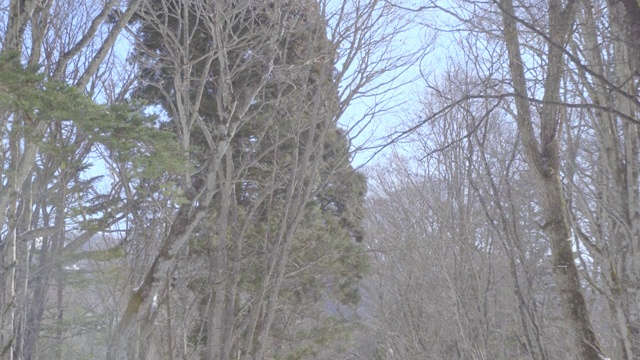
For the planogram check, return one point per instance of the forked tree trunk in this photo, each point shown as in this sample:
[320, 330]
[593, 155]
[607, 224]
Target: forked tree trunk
[543, 158]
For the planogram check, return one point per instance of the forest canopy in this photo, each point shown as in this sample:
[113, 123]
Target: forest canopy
[315, 179]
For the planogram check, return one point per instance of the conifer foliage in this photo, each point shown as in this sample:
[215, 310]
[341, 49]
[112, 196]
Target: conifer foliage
[175, 183]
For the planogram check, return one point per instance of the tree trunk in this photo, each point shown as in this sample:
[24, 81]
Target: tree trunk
[544, 161]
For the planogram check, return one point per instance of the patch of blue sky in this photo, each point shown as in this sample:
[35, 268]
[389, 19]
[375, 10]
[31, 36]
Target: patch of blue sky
[468, 60]
[381, 80]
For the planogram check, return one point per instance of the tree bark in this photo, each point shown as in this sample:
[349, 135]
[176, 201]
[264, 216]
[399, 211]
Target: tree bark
[543, 158]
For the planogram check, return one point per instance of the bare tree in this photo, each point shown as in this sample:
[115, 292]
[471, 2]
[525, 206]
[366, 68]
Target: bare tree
[542, 154]
[253, 94]
[556, 67]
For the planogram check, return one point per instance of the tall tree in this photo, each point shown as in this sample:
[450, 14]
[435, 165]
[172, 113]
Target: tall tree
[560, 73]
[252, 93]
[543, 156]
[48, 135]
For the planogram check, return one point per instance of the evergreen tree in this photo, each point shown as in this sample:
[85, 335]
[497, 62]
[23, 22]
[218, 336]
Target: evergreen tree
[285, 218]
